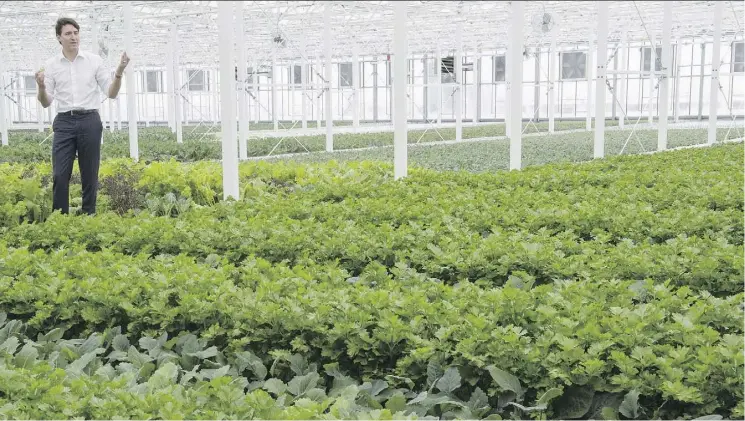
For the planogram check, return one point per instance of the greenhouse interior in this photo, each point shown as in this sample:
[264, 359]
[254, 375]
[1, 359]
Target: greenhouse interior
[372, 210]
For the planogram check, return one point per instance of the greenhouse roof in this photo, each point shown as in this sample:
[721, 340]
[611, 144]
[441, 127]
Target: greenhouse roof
[362, 26]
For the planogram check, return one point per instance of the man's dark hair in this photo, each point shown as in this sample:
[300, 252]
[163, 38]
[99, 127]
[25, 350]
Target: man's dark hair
[65, 21]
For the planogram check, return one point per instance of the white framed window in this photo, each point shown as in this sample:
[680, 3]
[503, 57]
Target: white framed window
[574, 65]
[153, 81]
[500, 68]
[345, 74]
[29, 82]
[738, 57]
[197, 80]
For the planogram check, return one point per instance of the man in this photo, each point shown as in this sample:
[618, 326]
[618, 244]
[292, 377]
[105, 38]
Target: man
[73, 78]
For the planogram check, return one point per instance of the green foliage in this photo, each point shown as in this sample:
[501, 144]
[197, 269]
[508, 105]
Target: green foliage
[104, 376]
[611, 289]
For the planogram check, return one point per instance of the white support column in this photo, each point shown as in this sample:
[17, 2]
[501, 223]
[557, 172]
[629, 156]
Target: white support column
[292, 86]
[275, 99]
[176, 83]
[134, 150]
[215, 94]
[119, 112]
[40, 117]
[3, 108]
[516, 76]
[227, 101]
[552, 73]
[400, 82]
[438, 83]
[477, 85]
[508, 88]
[242, 69]
[304, 81]
[716, 59]
[169, 90]
[600, 87]
[255, 86]
[475, 92]
[327, 54]
[112, 103]
[317, 96]
[355, 87]
[622, 81]
[652, 68]
[458, 76]
[589, 61]
[676, 75]
[667, 26]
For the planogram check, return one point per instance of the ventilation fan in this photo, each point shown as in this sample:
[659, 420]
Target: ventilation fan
[103, 50]
[543, 22]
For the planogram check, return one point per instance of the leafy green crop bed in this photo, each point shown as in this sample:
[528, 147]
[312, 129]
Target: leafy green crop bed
[608, 289]
[158, 143]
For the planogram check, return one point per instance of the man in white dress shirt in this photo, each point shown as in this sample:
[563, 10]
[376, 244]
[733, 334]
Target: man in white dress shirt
[73, 78]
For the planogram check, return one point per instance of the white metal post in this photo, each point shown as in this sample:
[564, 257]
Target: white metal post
[3, 120]
[438, 83]
[242, 69]
[508, 90]
[400, 64]
[652, 68]
[356, 88]
[602, 48]
[552, 73]
[119, 112]
[715, 62]
[176, 83]
[227, 100]
[169, 90]
[621, 95]
[255, 88]
[676, 75]
[317, 97]
[134, 151]
[476, 85]
[304, 82]
[275, 100]
[667, 25]
[589, 67]
[291, 83]
[327, 53]
[458, 76]
[516, 82]
[40, 117]
[112, 103]
[215, 72]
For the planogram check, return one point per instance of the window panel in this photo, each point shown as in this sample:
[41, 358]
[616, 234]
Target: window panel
[573, 65]
[345, 74]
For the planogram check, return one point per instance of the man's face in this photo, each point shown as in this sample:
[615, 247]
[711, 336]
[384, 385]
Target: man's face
[69, 37]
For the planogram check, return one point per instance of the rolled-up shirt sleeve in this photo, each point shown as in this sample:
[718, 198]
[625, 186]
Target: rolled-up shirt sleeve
[103, 76]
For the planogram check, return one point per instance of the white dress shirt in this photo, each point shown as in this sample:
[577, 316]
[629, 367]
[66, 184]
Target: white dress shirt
[74, 83]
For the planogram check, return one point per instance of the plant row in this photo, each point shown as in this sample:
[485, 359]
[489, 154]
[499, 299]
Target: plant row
[202, 143]
[672, 217]
[678, 349]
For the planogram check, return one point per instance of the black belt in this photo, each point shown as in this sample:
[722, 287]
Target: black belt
[78, 112]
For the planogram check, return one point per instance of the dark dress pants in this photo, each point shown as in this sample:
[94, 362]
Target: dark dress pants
[76, 134]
